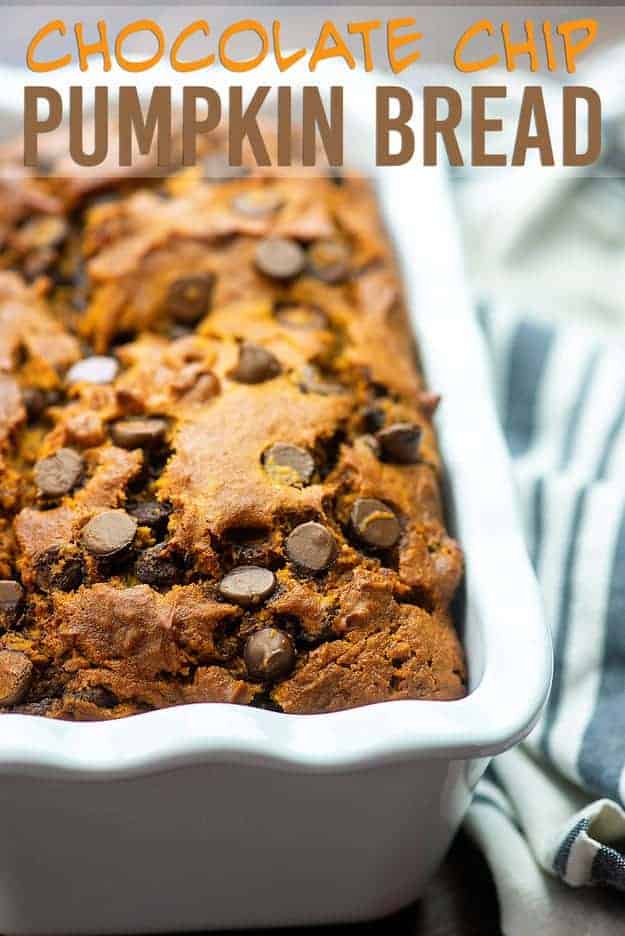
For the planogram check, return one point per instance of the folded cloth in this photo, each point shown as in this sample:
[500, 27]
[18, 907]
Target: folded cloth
[548, 814]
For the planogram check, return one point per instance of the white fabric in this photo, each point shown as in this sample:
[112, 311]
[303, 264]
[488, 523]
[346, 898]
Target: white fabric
[532, 901]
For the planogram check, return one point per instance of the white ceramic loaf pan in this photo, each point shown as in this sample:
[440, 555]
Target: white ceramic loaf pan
[218, 816]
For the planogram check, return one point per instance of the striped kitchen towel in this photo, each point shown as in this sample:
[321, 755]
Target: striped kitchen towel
[549, 814]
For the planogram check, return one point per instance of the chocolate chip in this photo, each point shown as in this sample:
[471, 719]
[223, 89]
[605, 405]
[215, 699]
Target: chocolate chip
[311, 546]
[428, 403]
[35, 401]
[311, 381]
[373, 419]
[11, 593]
[247, 585]
[269, 655]
[153, 567]
[152, 514]
[109, 534]
[189, 298]
[289, 464]
[16, 673]
[255, 365]
[11, 598]
[97, 695]
[138, 433]
[375, 523]
[259, 203]
[400, 443]
[58, 474]
[58, 569]
[329, 260]
[301, 316]
[280, 258]
[97, 369]
[54, 398]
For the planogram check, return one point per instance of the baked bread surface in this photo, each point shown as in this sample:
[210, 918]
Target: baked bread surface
[219, 480]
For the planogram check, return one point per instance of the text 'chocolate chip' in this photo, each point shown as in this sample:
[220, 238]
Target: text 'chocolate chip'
[98, 369]
[269, 655]
[189, 298]
[311, 546]
[109, 534]
[16, 673]
[400, 443]
[280, 258]
[289, 464]
[375, 523]
[255, 365]
[58, 474]
[247, 585]
[138, 433]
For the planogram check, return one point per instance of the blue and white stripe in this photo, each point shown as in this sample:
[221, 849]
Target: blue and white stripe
[561, 398]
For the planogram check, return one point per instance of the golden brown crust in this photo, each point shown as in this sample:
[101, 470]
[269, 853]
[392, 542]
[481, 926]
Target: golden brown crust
[165, 281]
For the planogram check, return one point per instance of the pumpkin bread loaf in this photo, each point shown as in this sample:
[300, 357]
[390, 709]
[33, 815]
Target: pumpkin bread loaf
[219, 480]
